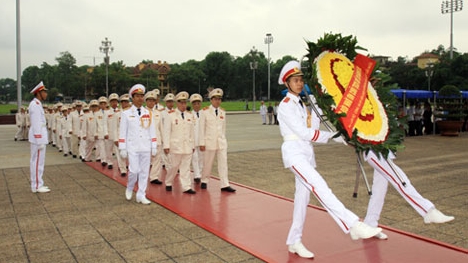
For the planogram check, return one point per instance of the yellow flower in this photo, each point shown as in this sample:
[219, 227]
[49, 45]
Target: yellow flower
[334, 72]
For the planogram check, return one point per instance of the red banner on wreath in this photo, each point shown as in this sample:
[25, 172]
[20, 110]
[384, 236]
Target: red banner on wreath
[355, 94]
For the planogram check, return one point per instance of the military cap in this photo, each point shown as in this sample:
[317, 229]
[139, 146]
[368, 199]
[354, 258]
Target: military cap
[216, 93]
[38, 88]
[113, 96]
[137, 89]
[169, 97]
[150, 95]
[124, 97]
[292, 68]
[195, 97]
[183, 95]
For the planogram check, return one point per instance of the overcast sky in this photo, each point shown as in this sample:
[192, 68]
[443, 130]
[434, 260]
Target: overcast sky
[179, 30]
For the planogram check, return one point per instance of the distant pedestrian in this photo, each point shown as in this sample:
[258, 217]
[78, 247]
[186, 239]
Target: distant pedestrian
[270, 113]
[38, 139]
[275, 112]
[263, 112]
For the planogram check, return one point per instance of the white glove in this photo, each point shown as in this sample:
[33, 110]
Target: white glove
[153, 151]
[123, 153]
[41, 147]
[340, 140]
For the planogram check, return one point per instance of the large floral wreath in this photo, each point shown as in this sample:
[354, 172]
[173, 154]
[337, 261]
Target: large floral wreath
[341, 81]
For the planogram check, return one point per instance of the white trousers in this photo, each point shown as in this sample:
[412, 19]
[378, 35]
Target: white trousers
[90, 143]
[58, 140]
[101, 150]
[66, 144]
[74, 142]
[36, 166]
[156, 164]
[139, 164]
[19, 133]
[121, 162]
[109, 149]
[180, 162]
[308, 180]
[82, 148]
[221, 155]
[197, 162]
[383, 173]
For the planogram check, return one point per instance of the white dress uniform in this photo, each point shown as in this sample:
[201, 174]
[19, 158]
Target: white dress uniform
[56, 122]
[38, 139]
[82, 146]
[178, 137]
[21, 124]
[101, 133]
[212, 134]
[75, 117]
[138, 138]
[66, 130]
[156, 161]
[88, 131]
[112, 125]
[198, 156]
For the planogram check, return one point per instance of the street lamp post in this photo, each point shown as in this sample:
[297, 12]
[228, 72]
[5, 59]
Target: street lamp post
[429, 72]
[253, 67]
[268, 41]
[106, 48]
[450, 7]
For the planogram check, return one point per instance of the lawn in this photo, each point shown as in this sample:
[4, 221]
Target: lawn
[227, 105]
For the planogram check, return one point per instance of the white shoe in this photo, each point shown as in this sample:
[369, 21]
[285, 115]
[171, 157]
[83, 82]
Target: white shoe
[381, 236]
[144, 201]
[362, 230]
[42, 189]
[435, 216]
[128, 194]
[301, 250]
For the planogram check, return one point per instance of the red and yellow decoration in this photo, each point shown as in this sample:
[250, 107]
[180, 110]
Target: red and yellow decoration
[348, 84]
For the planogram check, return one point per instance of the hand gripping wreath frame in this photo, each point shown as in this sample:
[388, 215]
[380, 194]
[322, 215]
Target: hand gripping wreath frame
[360, 168]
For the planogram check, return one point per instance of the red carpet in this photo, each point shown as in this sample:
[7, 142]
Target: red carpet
[258, 222]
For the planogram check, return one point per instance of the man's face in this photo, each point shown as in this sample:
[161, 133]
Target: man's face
[182, 105]
[295, 84]
[114, 104]
[138, 100]
[216, 102]
[150, 103]
[125, 104]
[170, 104]
[102, 105]
[196, 105]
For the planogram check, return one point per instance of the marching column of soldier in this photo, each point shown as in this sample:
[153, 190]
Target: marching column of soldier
[177, 138]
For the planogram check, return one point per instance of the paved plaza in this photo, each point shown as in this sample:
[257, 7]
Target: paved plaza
[85, 218]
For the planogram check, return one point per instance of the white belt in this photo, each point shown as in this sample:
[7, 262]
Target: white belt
[292, 137]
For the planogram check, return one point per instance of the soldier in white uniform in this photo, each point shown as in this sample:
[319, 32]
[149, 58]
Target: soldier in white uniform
[88, 130]
[55, 122]
[169, 101]
[102, 134]
[156, 110]
[299, 128]
[179, 142]
[82, 146]
[38, 139]
[65, 130]
[122, 162]
[197, 157]
[137, 140]
[385, 171]
[213, 141]
[21, 124]
[112, 125]
[75, 117]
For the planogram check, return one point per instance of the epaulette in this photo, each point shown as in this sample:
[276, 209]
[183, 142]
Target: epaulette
[160, 109]
[207, 107]
[286, 99]
[171, 111]
[221, 108]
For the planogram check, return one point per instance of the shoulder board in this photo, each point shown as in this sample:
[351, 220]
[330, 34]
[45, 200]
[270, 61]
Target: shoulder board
[207, 107]
[221, 108]
[286, 99]
[161, 109]
[171, 111]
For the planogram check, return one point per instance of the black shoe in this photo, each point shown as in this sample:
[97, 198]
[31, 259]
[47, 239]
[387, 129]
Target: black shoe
[60, 151]
[53, 145]
[16, 139]
[74, 156]
[169, 188]
[109, 166]
[123, 174]
[190, 191]
[65, 155]
[156, 181]
[203, 186]
[103, 163]
[197, 180]
[228, 189]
